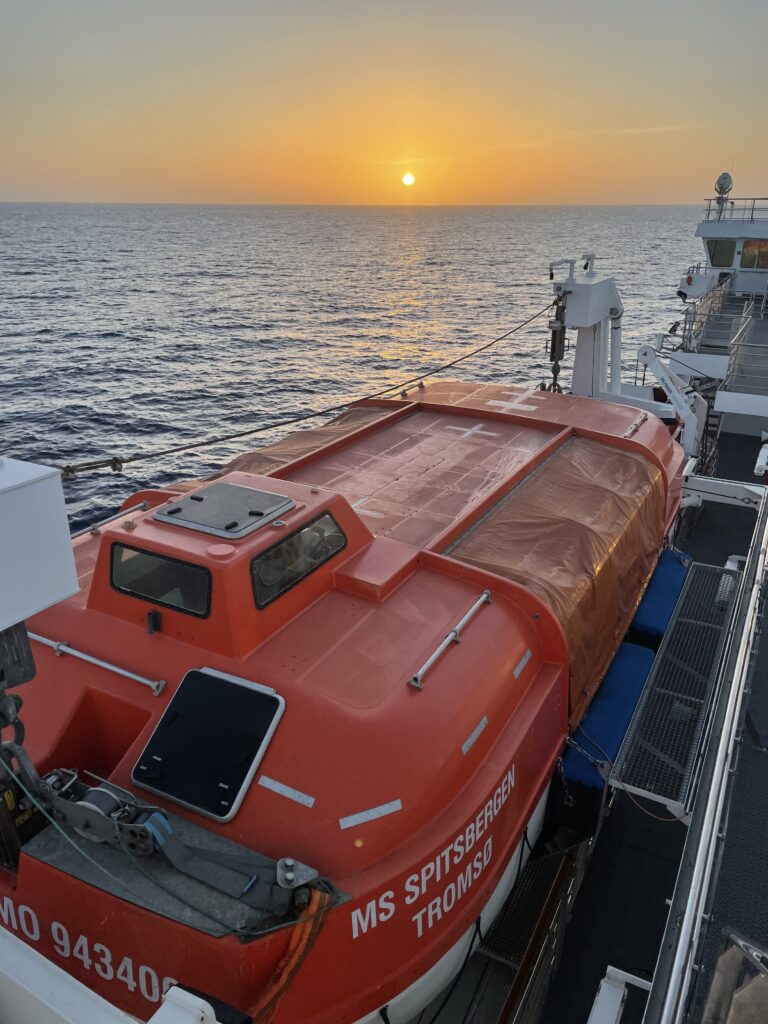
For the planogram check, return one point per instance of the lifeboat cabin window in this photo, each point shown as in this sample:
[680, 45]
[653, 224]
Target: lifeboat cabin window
[754, 255]
[721, 251]
[207, 746]
[162, 580]
[283, 565]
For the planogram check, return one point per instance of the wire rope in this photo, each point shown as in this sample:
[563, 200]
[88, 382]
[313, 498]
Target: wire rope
[116, 463]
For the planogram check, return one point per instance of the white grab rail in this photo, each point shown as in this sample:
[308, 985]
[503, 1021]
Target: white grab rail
[156, 685]
[453, 637]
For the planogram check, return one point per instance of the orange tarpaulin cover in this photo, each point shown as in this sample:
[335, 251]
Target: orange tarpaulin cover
[583, 532]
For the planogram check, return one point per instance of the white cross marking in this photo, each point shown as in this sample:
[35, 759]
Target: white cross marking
[518, 402]
[477, 429]
[510, 406]
[358, 506]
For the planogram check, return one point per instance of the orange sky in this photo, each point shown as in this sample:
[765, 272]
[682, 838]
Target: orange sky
[331, 101]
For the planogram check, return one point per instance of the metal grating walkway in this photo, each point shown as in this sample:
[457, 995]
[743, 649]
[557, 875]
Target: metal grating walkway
[660, 753]
[508, 937]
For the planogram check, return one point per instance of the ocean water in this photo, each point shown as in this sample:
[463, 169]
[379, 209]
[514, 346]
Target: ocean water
[130, 328]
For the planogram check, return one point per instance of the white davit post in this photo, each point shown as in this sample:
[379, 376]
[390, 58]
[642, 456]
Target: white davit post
[37, 567]
[35, 991]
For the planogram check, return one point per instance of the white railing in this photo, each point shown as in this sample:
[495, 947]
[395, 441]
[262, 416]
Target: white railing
[745, 210]
[741, 371]
[707, 314]
[702, 267]
[95, 529]
[677, 961]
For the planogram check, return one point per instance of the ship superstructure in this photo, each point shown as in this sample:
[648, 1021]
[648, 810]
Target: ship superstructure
[723, 334]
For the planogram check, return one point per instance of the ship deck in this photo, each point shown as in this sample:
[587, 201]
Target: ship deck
[748, 371]
[740, 332]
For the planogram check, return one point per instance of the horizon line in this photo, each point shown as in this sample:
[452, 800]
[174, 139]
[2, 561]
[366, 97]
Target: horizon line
[369, 206]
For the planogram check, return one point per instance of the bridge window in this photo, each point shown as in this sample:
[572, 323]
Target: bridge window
[162, 580]
[754, 255]
[282, 566]
[721, 251]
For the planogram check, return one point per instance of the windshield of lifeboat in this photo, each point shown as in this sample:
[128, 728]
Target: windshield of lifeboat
[291, 560]
[163, 580]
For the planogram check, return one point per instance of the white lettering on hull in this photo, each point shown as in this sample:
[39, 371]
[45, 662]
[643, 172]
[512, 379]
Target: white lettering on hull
[454, 892]
[93, 956]
[376, 912]
[452, 871]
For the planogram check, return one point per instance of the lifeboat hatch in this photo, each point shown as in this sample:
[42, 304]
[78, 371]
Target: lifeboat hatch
[225, 510]
[206, 748]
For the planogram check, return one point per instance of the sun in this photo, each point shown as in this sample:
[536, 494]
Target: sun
[408, 179]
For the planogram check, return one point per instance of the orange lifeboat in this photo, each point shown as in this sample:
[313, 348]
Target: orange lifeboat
[298, 727]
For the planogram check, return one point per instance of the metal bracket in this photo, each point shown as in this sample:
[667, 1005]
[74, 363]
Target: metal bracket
[758, 743]
[611, 996]
[698, 489]
[688, 405]
[110, 814]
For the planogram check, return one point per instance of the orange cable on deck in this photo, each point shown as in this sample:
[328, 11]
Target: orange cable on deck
[303, 937]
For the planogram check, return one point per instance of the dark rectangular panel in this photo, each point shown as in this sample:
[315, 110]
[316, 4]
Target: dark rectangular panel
[209, 742]
[225, 510]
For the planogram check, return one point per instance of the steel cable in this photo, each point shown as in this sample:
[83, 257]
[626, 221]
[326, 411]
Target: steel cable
[116, 463]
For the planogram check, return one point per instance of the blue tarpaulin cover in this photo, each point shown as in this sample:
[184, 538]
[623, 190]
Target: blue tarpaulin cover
[660, 598]
[609, 714]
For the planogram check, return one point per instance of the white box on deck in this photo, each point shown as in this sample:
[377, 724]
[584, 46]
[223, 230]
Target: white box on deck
[37, 567]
